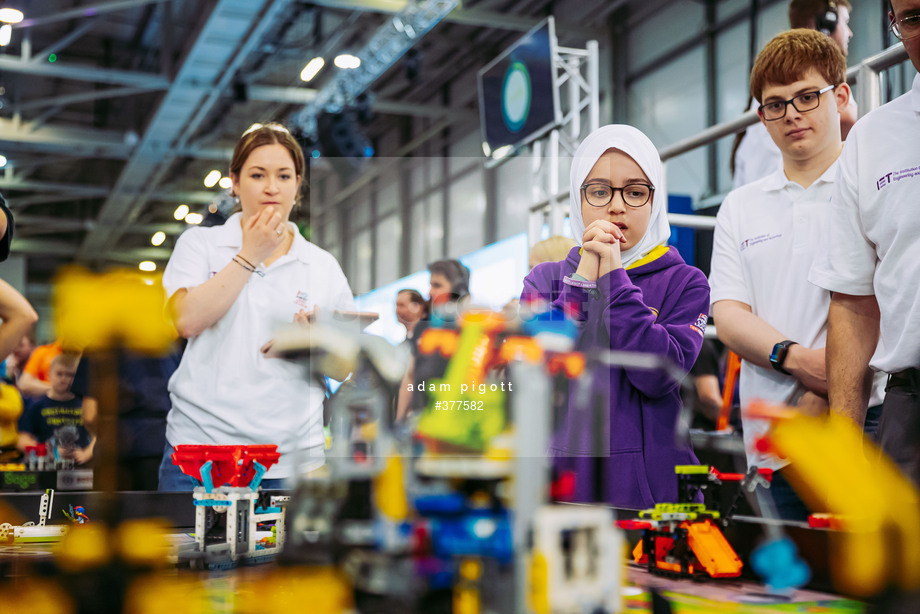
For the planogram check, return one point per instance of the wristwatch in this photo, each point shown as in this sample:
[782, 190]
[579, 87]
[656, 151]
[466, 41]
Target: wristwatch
[779, 353]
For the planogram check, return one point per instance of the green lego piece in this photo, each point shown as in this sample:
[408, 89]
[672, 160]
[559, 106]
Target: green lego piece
[691, 469]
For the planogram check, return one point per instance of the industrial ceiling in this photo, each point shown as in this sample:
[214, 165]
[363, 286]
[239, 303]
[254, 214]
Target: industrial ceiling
[112, 112]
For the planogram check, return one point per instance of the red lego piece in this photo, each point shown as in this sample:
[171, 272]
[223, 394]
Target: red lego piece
[726, 477]
[39, 449]
[231, 465]
[634, 525]
[563, 489]
[826, 521]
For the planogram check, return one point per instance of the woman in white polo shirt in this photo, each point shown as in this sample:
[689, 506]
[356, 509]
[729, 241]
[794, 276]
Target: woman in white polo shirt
[230, 287]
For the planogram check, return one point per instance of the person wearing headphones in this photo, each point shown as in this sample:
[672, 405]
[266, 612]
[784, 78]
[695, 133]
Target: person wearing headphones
[449, 290]
[828, 17]
[755, 154]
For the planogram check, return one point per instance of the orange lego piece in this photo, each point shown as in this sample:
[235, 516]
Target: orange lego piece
[572, 364]
[712, 550]
[439, 339]
[523, 347]
[638, 554]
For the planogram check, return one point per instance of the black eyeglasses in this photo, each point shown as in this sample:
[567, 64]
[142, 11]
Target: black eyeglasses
[600, 194]
[906, 28]
[808, 101]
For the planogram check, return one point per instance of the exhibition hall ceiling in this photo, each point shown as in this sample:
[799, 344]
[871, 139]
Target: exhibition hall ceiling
[113, 112]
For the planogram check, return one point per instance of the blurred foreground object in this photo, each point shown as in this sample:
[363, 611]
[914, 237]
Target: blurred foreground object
[878, 508]
[121, 308]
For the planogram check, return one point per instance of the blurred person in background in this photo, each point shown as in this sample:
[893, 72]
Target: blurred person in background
[448, 291]
[411, 307]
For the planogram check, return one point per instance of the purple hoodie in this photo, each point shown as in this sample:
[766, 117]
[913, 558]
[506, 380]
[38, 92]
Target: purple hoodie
[656, 307]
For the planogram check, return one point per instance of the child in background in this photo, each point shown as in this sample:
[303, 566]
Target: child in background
[61, 414]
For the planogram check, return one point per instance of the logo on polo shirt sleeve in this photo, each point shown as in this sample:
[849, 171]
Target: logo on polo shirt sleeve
[700, 324]
[892, 177]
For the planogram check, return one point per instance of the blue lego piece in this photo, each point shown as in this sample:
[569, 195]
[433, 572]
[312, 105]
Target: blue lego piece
[552, 321]
[777, 562]
[450, 503]
[457, 529]
[477, 533]
[212, 502]
[268, 510]
[260, 471]
[205, 473]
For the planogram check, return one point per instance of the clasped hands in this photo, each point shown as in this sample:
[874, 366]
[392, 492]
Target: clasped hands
[601, 243]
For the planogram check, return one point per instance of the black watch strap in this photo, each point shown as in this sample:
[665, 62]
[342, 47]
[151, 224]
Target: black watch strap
[778, 355]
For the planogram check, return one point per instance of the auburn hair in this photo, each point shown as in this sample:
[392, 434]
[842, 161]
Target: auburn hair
[790, 55]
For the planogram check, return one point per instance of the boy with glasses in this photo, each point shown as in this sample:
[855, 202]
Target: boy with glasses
[755, 155]
[767, 235]
[872, 264]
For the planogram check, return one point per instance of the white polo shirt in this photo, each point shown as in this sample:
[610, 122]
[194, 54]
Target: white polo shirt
[767, 235]
[875, 226]
[225, 390]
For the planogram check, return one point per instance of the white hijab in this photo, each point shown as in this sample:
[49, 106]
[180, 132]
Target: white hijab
[636, 145]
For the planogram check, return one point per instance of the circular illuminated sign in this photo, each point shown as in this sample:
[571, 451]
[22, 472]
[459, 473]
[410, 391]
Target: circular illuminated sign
[516, 96]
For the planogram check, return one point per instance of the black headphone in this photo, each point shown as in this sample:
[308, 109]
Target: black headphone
[826, 20]
[457, 275]
[460, 283]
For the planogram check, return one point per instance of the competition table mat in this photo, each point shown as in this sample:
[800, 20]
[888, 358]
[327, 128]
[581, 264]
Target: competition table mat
[224, 592]
[737, 596]
[745, 594]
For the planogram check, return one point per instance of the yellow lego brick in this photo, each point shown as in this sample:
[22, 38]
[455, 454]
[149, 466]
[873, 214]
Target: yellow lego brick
[120, 308]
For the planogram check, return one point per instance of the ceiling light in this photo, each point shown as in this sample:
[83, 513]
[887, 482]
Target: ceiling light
[158, 238]
[6, 34]
[501, 152]
[2, 161]
[148, 266]
[10, 15]
[225, 182]
[194, 218]
[347, 61]
[181, 212]
[211, 180]
[311, 69]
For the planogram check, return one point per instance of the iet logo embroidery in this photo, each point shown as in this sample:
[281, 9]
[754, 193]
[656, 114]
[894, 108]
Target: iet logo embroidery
[894, 176]
[758, 240]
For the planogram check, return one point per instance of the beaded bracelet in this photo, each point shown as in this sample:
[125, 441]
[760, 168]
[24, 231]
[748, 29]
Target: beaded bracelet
[579, 283]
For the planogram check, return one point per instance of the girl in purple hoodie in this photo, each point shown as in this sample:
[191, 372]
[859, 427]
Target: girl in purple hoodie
[627, 291]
